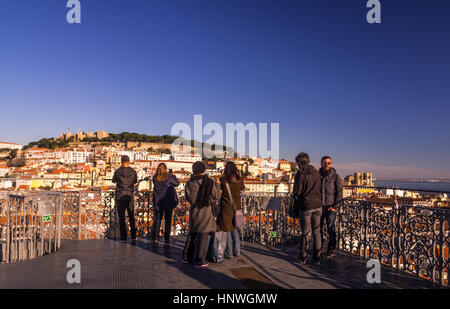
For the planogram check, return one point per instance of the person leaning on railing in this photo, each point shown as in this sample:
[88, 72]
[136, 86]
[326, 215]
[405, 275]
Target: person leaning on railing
[331, 199]
[307, 186]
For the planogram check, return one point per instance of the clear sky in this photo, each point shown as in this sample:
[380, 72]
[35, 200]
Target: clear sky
[374, 97]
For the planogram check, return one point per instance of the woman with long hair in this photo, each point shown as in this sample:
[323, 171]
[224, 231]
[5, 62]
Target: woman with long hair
[164, 201]
[225, 221]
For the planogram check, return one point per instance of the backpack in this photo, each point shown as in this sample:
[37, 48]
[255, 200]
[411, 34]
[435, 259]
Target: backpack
[215, 206]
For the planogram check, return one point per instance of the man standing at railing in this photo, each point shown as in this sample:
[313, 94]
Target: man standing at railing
[331, 199]
[307, 195]
[125, 179]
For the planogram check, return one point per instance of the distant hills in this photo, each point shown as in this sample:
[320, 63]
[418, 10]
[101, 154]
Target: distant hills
[124, 137]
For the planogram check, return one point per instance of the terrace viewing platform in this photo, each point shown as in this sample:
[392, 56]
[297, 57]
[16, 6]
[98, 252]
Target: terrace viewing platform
[411, 242]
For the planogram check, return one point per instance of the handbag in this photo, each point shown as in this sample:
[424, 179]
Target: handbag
[173, 197]
[238, 219]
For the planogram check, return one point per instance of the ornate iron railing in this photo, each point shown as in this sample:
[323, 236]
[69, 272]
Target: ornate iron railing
[414, 239]
[267, 221]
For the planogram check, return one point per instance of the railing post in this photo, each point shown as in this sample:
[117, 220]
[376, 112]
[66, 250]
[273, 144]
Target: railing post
[30, 231]
[365, 229]
[338, 225]
[41, 236]
[35, 230]
[148, 214]
[20, 231]
[275, 216]
[50, 237]
[441, 248]
[399, 231]
[259, 220]
[60, 220]
[8, 229]
[80, 227]
[14, 233]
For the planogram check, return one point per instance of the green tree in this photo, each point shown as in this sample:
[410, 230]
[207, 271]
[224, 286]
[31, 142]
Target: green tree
[12, 154]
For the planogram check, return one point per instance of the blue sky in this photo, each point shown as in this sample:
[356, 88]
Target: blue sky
[374, 97]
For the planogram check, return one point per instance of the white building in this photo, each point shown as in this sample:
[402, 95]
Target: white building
[10, 145]
[4, 171]
[130, 153]
[174, 165]
[72, 156]
[5, 183]
[390, 192]
[267, 186]
[184, 157]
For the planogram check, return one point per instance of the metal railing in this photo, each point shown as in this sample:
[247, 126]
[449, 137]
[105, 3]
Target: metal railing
[413, 239]
[25, 233]
[72, 215]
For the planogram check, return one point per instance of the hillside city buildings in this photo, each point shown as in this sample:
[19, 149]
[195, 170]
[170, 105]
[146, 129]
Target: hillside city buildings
[90, 166]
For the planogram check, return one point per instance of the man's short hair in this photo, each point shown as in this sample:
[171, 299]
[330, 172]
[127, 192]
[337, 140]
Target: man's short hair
[324, 158]
[302, 159]
[125, 159]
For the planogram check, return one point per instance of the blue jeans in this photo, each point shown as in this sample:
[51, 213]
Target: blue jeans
[330, 218]
[233, 247]
[221, 243]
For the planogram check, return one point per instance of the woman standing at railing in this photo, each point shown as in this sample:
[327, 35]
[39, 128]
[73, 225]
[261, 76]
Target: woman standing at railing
[231, 183]
[164, 201]
[202, 193]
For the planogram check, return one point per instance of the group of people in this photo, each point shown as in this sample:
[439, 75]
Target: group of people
[317, 196]
[213, 232]
[213, 206]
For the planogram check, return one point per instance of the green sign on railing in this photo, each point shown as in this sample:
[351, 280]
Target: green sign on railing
[272, 234]
[47, 218]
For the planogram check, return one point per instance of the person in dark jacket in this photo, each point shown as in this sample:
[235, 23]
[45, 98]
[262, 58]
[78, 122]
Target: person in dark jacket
[164, 201]
[307, 188]
[331, 200]
[227, 231]
[201, 191]
[125, 179]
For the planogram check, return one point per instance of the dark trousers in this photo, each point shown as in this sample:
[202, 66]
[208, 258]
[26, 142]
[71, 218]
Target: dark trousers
[125, 203]
[157, 217]
[192, 240]
[329, 217]
[310, 223]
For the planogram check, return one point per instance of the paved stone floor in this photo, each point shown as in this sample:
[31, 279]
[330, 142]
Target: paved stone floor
[110, 264]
